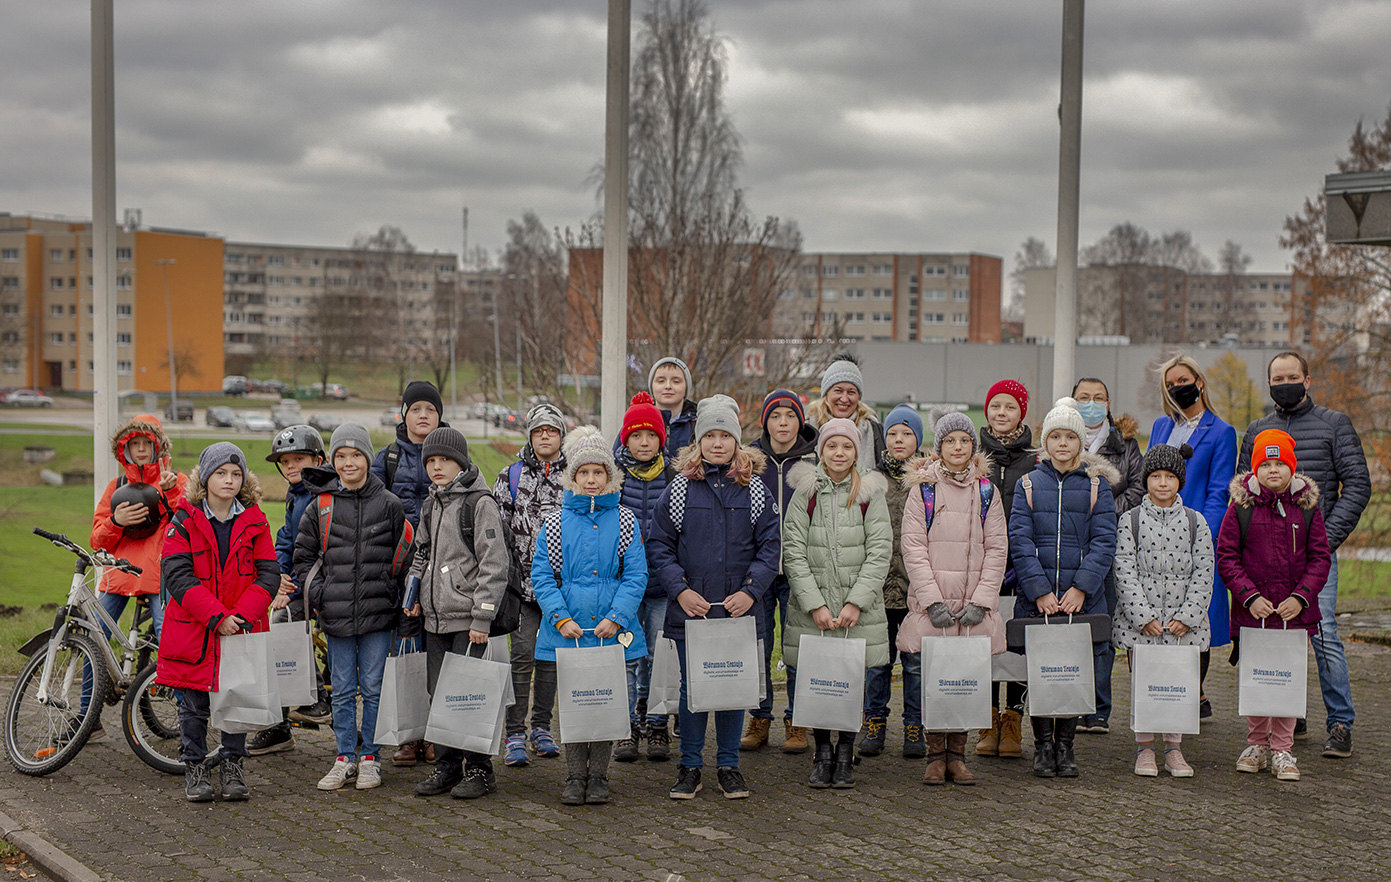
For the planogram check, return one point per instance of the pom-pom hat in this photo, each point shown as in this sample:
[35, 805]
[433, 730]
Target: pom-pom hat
[1064, 415]
[643, 414]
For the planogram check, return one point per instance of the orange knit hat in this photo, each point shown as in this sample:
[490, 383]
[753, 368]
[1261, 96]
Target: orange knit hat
[1273, 444]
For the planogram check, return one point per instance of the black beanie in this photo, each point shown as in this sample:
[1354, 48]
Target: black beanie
[446, 442]
[420, 390]
[1165, 458]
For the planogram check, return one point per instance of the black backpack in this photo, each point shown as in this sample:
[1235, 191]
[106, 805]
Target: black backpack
[509, 612]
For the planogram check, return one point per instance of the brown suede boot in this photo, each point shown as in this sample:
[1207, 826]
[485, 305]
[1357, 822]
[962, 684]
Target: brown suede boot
[406, 755]
[794, 739]
[956, 760]
[1010, 722]
[755, 734]
[936, 759]
[988, 744]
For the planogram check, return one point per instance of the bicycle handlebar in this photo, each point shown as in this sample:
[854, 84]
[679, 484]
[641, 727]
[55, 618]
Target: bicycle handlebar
[100, 558]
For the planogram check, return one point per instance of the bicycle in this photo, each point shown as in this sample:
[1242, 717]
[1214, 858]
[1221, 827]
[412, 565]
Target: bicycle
[48, 720]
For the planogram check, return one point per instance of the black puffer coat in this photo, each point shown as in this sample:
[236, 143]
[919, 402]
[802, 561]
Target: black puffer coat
[357, 591]
[1330, 453]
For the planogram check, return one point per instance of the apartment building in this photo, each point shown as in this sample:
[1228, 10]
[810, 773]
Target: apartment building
[46, 309]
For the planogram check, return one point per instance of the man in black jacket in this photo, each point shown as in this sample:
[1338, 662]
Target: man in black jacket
[1331, 454]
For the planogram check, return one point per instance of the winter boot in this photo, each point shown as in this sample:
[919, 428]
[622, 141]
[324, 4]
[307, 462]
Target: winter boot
[956, 760]
[626, 750]
[914, 747]
[198, 785]
[843, 773]
[821, 765]
[573, 794]
[1010, 746]
[234, 787]
[988, 744]
[755, 733]
[597, 793]
[936, 759]
[1045, 762]
[794, 739]
[658, 743]
[1064, 733]
[873, 742]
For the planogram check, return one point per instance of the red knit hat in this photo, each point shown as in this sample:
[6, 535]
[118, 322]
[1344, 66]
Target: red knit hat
[1014, 389]
[1273, 444]
[643, 414]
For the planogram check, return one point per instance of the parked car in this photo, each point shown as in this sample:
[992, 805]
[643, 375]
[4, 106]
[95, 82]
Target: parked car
[220, 417]
[334, 391]
[256, 421]
[275, 387]
[287, 413]
[27, 398]
[325, 422]
[235, 385]
[185, 414]
[508, 419]
[390, 418]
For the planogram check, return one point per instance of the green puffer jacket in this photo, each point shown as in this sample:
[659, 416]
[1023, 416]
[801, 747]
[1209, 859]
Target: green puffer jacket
[837, 555]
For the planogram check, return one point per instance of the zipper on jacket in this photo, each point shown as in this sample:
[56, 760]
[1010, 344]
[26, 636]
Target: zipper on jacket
[1058, 538]
[1294, 539]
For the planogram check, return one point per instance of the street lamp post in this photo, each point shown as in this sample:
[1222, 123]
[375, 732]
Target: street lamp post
[169, 332]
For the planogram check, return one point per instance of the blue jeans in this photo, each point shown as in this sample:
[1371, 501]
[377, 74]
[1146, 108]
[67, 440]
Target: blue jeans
[115, 604]
[1329, 654]
[357, 664]
[912, 687]
[728, 726]
[775, 600]
[193, 729]
[879, 680]
[652, 613]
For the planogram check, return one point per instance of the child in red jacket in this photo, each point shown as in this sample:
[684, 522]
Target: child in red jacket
[220, 572]
[1273, 555]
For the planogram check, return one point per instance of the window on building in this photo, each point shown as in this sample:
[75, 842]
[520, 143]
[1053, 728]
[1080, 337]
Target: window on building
[123, 368]
[56, 338]
[830, 271]
[854, 293]
[123, 283]
[9, 255]
[830, 294]
[55, 255]
[275, 280]
[9, 283]
[883, 269]
[960, 294]
[10, 309]
[960, 270]
[276, 260]
[55, 310]
[960, 318]
[124, 310]
[808, 293]
[883, 318]
[934, 294]
[855, 270]
[883, 294]
[123, 255]
[10, 337]
[933, 318]
[9, 366]
[55, 283]
[122, 339]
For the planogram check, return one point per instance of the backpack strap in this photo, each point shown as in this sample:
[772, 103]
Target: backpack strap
[403, 547]
[551, 524]
[1243, 521]
[987, 493]
[514, 478]
[811, 505]
[1192, 527]
[1096, 488]
[676, 501]
[1135, 527]
[756, 500]
[929, 494]
[1028, 491]
[325, 520]
[393, 459]
[627, 529]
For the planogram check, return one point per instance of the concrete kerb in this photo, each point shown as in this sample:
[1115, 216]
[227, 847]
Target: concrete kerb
[53, 861]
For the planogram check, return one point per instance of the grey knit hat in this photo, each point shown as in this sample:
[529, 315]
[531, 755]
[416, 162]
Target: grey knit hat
[670, 359]
[351, 435]
[842, 372]
[545, 415]
[215, 456]
[718, 412]
[1165, 458]
[446, 442]
[1064, 415]
[946, 422]
[586, 446]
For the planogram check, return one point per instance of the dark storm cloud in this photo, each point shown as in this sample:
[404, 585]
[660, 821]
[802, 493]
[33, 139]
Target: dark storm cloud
[877, 125]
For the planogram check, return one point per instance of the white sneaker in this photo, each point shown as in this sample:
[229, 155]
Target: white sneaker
[1253, 759]
[369, 774]
[343, 771]
[1282, 766]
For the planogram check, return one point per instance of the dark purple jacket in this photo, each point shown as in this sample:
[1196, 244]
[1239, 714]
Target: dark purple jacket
[1280, 558]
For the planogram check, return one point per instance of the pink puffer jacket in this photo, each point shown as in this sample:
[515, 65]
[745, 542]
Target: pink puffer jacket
[959, 561]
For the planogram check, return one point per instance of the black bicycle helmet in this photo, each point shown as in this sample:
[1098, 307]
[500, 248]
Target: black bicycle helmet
[140, 494]
[296, 439]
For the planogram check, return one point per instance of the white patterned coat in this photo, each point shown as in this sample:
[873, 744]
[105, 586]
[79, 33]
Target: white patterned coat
[1161, 575]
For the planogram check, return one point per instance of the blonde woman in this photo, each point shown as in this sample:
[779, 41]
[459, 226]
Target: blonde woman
[1189, 420]
[842, 388]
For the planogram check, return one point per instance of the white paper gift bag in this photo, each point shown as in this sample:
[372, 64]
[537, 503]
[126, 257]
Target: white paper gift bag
[404, 707]
[1164, 690]
[664, 691]
[830, 683]
[1274, 673]
[247, 698]
[1062, 680]
[293, 650]
[469, 702]
[956, 683]
[722, 664]
[592, 693]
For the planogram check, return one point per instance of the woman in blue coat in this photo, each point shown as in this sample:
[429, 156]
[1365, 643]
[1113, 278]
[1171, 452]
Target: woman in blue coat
[715, 540]
[1062, 536]
[589, 574]
[1190, 420]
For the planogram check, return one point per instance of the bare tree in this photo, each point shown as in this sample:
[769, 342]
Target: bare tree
[1179, 258]
[1126, 248]
[1233, 263]
[1032, 253]
[186, 361]
[536, 284]
[382, 263]
[331, 329]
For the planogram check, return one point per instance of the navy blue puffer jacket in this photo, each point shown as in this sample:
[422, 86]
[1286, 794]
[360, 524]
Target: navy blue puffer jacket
[410, 483]
[641, 498]
[1063, 541]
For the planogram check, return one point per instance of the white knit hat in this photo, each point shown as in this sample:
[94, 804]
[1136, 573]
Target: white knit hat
[717, 412]
[586, 446]
[1064, 415]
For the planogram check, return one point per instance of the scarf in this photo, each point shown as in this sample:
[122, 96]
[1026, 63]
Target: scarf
[1096, 437]
[643, 471]
[894, 468]
[1008, 438]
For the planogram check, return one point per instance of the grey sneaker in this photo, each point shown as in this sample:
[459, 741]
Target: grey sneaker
[234, 787]
[343, 771]
[1339, 743]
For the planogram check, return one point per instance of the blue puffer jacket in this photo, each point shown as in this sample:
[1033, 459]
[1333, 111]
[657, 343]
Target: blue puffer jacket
[715, 536]
[1064, 541]
[410, 483]
[590, 588]
[296, 501]
[641, 497]
[680, 429]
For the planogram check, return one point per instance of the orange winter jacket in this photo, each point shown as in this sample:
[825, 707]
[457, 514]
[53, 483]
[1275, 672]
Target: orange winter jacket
[107, 535]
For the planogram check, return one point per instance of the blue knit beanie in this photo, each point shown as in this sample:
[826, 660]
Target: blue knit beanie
[906, 415]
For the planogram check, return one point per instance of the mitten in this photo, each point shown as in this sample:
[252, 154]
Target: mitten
[971, 616]
[940, 616]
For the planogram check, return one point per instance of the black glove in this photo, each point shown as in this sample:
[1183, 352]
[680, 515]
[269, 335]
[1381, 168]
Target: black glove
[971, 616]
[940, 616]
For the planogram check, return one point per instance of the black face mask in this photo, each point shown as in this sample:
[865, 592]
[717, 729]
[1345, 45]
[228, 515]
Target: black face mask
[1184, 396]
[1287, 395]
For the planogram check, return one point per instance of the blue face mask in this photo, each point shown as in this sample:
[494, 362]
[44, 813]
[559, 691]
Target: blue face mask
[1093, 412]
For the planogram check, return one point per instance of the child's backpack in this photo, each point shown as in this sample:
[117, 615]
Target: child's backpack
[627, 528]
[1243, 520]
[676, 504]
[1029, 491]
[509, 611]
[1192, 526]
[398, 557]
[929, 494]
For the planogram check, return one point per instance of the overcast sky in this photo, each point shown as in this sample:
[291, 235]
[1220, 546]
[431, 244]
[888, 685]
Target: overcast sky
[876, 125]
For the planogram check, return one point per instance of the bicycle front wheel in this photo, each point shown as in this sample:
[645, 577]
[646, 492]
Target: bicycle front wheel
[42, 736]
[150, 719]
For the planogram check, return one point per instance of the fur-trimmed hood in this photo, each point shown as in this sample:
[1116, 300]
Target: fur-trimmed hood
[148, 425]
[1128, 426]
[806, 476]
[1246, 491]
[613, 485]
[250, 489]
[748, 462]
[927, 469]
[1093, 464]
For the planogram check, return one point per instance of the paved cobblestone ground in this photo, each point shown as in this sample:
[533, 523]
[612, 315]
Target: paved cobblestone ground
[126, 821]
